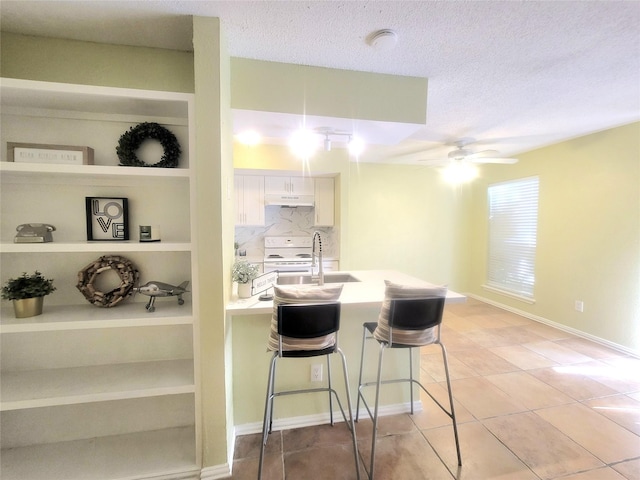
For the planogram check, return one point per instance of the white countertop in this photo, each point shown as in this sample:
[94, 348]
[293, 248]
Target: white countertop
[368, 292]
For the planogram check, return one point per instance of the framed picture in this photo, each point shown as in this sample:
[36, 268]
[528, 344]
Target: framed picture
[107, 218]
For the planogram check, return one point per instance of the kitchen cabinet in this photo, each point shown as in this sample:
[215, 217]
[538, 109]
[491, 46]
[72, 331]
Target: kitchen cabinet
[249, 206]
[324, 202]
[91, 392]
[274, 185]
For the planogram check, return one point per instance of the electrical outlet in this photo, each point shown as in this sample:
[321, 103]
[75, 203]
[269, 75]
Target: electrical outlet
[579, 306]
[316, 372]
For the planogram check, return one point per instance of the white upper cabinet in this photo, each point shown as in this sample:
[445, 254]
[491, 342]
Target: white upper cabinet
[289, 186]
[324, 202]
[249, 191]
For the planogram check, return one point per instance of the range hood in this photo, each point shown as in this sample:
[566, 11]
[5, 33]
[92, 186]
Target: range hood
[288, 200]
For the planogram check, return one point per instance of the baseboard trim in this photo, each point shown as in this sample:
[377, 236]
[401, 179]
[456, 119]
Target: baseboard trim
[187, 475]
[323, 418]
[216, 472]
[559, 326]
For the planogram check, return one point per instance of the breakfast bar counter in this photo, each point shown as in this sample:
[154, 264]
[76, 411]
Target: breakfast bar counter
[368, 291]
[248, 326]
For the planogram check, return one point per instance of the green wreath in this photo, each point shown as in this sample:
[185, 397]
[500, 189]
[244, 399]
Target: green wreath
[131, 140]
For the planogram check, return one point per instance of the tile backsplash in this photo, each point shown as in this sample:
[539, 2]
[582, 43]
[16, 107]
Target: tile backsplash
[285, 221]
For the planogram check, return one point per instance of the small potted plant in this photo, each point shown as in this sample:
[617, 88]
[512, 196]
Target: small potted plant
[28, 292]
[243, 272]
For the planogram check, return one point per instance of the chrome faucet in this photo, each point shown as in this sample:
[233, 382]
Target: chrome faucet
[318, 256]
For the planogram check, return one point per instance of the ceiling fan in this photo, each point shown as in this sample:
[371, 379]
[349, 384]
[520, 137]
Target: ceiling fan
[463, 154]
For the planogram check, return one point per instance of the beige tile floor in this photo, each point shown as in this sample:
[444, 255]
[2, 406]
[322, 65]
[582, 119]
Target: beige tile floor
[532, 402]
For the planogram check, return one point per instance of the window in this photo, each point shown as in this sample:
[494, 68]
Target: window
[513, 220]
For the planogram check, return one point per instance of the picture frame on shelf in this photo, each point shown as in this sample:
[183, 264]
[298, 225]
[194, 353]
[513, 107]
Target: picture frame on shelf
[47, 153]
[107, 218]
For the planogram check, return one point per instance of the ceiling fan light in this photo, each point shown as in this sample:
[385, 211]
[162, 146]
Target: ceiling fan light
[459, 172]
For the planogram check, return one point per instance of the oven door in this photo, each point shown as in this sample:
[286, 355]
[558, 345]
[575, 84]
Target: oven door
[287, 267]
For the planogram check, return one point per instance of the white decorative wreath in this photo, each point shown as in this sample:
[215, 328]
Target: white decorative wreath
[126, 270]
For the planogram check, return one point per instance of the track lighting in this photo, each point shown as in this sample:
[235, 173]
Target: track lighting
[327, 143]
[304, 145]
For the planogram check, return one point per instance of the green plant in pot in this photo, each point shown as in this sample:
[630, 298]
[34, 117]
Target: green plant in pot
[243, 272]
[28, 292]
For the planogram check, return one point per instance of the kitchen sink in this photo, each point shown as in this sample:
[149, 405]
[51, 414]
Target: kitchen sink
[308, 280]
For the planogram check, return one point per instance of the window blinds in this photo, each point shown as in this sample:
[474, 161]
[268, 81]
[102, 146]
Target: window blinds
[513, 220]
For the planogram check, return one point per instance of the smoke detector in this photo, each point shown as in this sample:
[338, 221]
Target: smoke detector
[383, 40]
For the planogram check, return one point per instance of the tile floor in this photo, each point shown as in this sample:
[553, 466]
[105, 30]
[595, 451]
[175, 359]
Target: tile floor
[532, 402]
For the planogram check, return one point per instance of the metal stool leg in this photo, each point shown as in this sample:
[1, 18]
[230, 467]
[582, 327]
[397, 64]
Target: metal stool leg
[330, 388]
[453, 414]
[273, 394]
[268, 412]
[374, 433]
[352, 425]
[411, 377]
[364, 339]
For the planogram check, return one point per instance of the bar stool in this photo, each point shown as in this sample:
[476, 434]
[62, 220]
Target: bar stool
[307, 322]
[405, 323]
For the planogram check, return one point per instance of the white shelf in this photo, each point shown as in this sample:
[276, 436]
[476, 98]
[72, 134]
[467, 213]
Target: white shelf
[87, 316]
[111, 247]
[29, 94]
[162, 454]
[14, 168]
[67, 386]
[105, 393]
[98, 175]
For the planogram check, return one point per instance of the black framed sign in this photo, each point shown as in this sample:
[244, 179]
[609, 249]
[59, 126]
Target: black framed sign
[107, 218]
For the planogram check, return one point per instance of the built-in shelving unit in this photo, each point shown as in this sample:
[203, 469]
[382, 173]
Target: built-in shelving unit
[89, 392]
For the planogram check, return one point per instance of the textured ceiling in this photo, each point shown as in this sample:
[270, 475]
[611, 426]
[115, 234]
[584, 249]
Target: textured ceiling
[513, 75]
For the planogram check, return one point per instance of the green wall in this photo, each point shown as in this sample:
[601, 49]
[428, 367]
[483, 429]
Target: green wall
[70, 61]
[588, 234]
[402, 218]
[303, 89]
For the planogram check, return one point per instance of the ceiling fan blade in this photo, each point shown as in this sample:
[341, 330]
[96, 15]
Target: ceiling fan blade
[503, 161]
[484, 154]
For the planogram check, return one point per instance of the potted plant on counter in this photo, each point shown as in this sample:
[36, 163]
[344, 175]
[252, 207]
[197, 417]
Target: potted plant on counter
[28, 292]
[243, 273]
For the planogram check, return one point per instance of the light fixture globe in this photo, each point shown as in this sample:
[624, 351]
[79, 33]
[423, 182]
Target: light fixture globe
[458, 172]
[303, 144]
[249, 138]
[355, 146]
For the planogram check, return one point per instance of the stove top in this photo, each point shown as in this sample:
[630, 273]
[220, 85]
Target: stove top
[282, 249]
